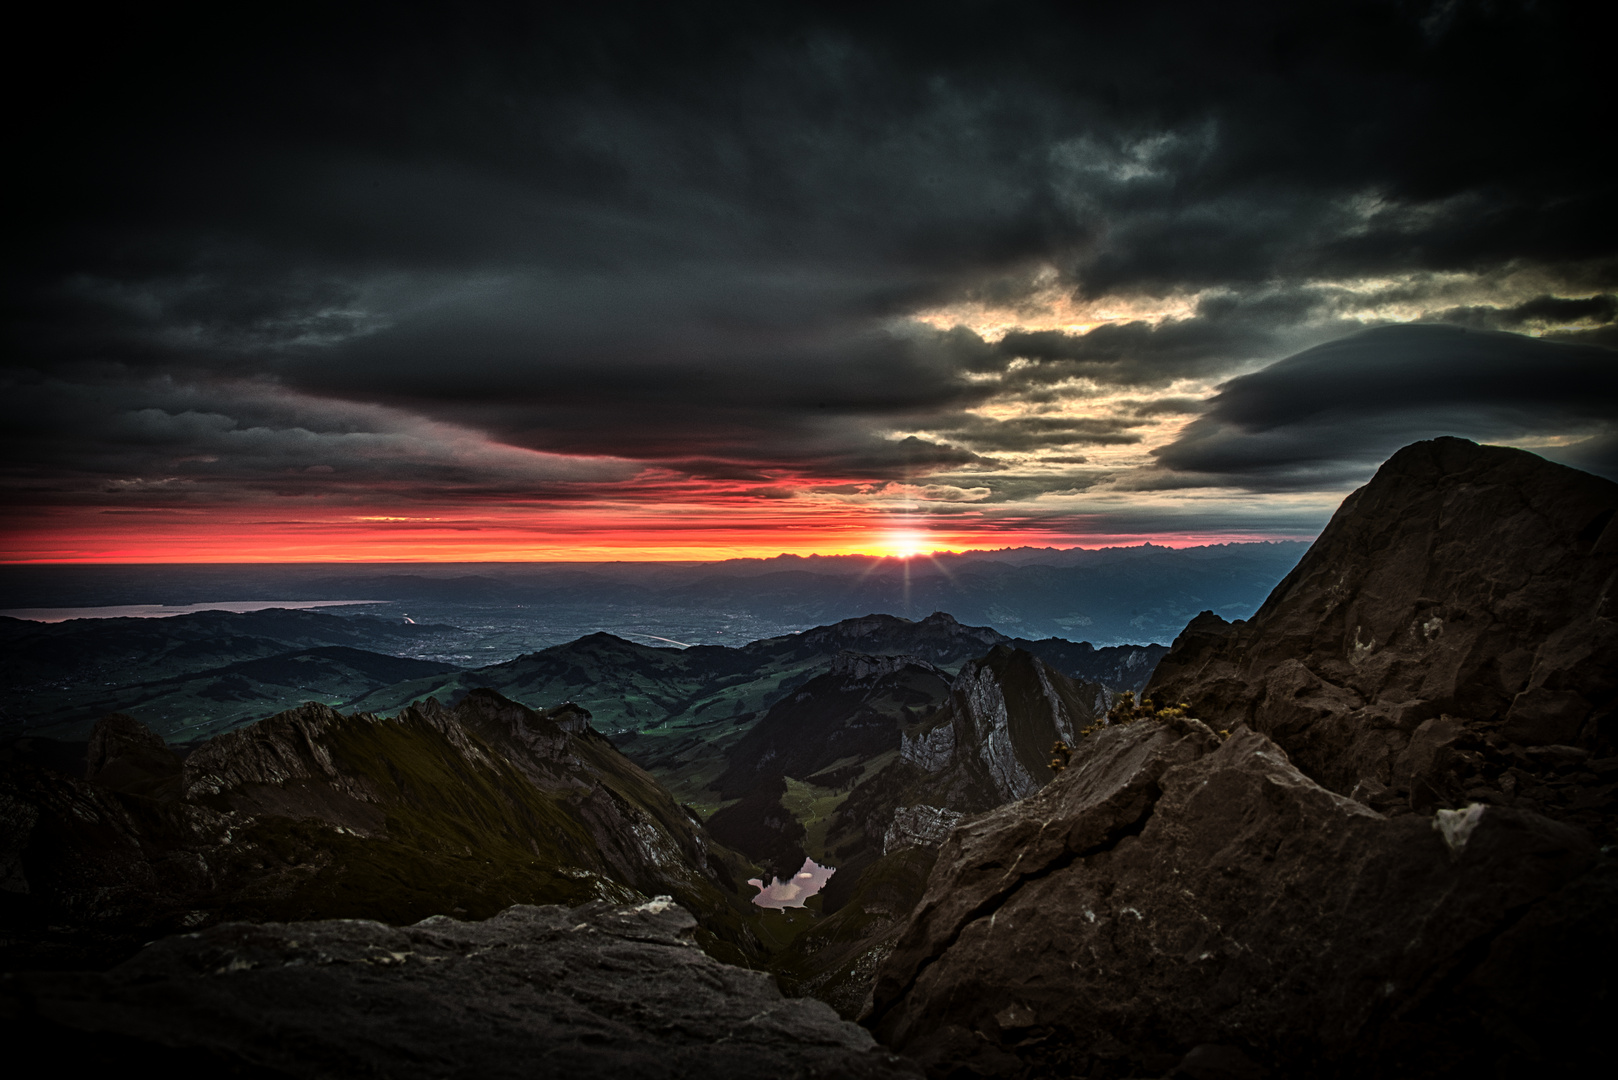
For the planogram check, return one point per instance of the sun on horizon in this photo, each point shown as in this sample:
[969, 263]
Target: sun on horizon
[904, 544]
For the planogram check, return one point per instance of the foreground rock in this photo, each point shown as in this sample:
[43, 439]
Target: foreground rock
[1171, 902]
[599, 990]
[1384, 859]
[1451, 637]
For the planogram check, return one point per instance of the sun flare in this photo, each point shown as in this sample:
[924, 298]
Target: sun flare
[903, 545]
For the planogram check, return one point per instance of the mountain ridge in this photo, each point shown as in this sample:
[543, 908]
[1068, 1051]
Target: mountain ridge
[1355, 849]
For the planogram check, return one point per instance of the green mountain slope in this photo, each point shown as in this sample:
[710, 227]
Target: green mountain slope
[59, 678]
[195, 705]
[680, 713]
[313, 814]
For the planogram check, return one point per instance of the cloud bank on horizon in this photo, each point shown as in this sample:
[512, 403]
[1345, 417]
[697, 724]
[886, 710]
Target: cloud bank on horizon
[740, 278]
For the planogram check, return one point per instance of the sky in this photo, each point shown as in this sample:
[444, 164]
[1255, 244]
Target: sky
[674, 281]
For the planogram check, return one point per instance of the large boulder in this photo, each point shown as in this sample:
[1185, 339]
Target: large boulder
[535, 992]
[1171, 902]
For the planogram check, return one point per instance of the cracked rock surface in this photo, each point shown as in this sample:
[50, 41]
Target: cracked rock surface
[599, 990]
[1174, 903]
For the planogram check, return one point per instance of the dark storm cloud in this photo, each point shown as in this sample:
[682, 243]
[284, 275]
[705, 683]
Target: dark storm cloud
[1040, 432]
[684, 233]
[1226, 330]
[1555, 312]
[158, 441]
[1330, 413]
[1138, 354]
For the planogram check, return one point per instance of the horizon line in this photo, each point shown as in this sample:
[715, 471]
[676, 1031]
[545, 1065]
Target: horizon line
[874, 556]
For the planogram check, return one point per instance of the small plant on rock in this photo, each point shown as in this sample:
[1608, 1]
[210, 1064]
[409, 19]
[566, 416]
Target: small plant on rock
[1061, 754]
[1126, 710]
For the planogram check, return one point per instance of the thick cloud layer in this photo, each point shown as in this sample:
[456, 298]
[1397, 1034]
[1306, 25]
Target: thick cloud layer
[1352, 402]
[555, 253]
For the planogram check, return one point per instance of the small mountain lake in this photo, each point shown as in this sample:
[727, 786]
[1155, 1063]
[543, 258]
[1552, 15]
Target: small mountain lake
[805, 883]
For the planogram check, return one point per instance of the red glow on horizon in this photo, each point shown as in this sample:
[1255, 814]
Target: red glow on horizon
[507, 535]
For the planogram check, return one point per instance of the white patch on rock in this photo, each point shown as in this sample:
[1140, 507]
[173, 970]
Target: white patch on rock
[1456, 826]
[656, 905]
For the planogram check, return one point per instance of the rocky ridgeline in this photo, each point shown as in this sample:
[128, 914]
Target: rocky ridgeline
[1451, 637]
[1377, 853]
[313, 814]
[858, 669]
[596, 991]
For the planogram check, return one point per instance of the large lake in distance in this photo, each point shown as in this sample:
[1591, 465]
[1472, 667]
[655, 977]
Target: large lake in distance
[163, 611]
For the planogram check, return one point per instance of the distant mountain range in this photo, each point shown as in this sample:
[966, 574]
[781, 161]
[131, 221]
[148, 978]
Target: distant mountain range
[1111, 596]
[193, 676]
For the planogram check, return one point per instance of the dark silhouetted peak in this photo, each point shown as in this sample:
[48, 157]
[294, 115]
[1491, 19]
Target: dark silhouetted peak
[117, 735]
[1006, 710]
[860, 667]
[1473, 582]
[853, 712]
[939, 638]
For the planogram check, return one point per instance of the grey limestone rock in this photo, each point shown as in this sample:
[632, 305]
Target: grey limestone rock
[1006, 710]
[534, 992]
[930, 748]
[919, 826]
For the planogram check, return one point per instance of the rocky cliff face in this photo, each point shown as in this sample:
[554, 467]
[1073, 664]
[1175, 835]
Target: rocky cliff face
[1381, 855]
[1454, 625]
[989, 743]
[314, 814]
[595, 991]
[1007, 710]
